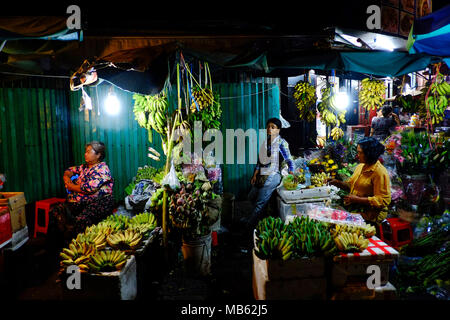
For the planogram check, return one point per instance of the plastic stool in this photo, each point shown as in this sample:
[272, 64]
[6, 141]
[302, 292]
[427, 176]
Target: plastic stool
[44, 205]
[396, 232]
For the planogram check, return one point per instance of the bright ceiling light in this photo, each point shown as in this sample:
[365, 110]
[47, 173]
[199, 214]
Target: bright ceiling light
[384, 43]
[342, 100]
[112, 104]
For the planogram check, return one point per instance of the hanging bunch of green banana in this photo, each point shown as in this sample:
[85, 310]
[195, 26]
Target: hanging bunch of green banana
[151, 111]
[305, 100]
[438, 101]
[372, 94]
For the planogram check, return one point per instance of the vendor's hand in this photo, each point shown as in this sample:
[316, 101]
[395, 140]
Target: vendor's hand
[351, 198]
[333, 181]
[66, 180]
[253, 181]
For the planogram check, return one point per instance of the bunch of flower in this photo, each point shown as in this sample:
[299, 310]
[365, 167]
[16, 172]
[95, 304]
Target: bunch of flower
[393, 147]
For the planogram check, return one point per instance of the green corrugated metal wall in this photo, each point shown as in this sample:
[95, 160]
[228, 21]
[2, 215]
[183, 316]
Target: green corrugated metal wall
[34, 135]
[43, 132]
[126, 143]
[245, 106]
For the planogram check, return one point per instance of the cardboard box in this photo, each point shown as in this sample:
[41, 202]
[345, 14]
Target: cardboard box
[287, 289]
[290, 269]
[16, 203]
[5, 226]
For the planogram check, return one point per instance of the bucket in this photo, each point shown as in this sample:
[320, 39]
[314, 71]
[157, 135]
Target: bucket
[413, 187]
[197, 255]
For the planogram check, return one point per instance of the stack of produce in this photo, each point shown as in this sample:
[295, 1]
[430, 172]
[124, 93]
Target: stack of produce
[302, 237]
[305, 100]
[319, 179]
[105, 247]
[372, 94]
[188, 206]
[291, 181]
[327, 166]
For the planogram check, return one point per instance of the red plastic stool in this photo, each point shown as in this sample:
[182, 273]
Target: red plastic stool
[396, 232]
[44, 205]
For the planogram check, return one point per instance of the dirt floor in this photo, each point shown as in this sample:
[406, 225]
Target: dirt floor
[31, 273]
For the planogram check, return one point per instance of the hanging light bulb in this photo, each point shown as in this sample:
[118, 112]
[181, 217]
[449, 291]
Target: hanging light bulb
[112, 103]
[342, 100]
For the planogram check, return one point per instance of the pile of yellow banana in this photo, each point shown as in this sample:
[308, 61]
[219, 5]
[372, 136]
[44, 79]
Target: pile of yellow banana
[330, 116]
[366, 231]
[151, 111]
[337, 133]
[77, 254]
[319, 179]
[305, 100]
[346, 241]
[321, 142]
[107, 261]
[125, 240]
[372, 94]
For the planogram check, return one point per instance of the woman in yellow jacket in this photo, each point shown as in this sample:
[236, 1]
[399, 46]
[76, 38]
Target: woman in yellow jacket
[370, 185]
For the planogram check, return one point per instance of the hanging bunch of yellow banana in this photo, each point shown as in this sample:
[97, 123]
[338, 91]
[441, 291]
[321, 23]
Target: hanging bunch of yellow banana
[305, 100]
[372, 94]
[151, 112]
[330, 115]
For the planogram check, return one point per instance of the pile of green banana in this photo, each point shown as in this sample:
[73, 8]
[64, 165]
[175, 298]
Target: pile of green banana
[157, 199]
[274, 240]
[143, 222]
[438, 101]
[305, 100]
[330, 116]
[116, 222]
[312, 238]
[372, 94]
[302, 237]
[151, 111]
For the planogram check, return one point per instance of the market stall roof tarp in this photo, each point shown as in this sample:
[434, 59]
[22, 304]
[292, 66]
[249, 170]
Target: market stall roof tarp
[431, 35]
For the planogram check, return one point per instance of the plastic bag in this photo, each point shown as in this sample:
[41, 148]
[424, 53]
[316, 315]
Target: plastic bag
[140, 196]
[331, 215]
[171, 179]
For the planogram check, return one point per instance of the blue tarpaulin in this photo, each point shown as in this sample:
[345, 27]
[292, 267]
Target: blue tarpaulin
[431, 35]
